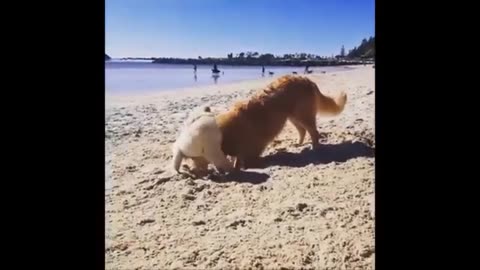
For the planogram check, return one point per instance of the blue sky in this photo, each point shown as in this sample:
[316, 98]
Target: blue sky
[192, 28]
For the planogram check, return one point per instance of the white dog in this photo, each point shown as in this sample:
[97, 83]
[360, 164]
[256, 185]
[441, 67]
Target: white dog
[200, 139]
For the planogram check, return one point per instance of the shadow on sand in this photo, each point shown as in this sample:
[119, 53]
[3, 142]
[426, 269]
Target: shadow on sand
[249, 176]
[326, 153]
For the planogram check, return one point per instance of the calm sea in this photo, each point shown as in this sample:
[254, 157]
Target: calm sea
[133, 77]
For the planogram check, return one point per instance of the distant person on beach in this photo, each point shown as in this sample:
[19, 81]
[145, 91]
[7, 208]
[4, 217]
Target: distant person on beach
[263, 69]
[194, 68]
[215, 67]
[306, 69]
[215, 78]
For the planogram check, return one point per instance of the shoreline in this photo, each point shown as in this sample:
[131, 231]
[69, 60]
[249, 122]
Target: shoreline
[198, 90]
[310, 209]
[254, 62]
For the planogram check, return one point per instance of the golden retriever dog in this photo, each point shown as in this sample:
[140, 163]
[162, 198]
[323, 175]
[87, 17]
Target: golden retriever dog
[250, 126]
[200, 139]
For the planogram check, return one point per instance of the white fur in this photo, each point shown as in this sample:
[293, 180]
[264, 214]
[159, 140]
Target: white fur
[200, 137]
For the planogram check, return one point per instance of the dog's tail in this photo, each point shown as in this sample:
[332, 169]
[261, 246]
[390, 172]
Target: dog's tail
[177, 158]
[330, 106]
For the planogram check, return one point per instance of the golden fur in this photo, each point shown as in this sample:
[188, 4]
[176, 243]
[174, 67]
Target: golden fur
[251, 125]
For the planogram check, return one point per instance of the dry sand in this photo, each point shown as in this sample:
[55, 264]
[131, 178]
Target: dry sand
[310, 210]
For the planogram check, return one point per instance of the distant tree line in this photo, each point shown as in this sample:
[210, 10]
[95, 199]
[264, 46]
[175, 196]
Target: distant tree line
[254, 62]
[365, 50]
[257, 59]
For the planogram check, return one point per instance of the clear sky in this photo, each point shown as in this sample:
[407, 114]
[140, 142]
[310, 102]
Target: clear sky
[192, 28]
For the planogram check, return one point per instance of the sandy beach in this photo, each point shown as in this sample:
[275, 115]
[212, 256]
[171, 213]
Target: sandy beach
[306, 210]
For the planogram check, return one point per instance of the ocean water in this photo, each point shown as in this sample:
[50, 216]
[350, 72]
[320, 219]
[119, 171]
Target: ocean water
[132, 77]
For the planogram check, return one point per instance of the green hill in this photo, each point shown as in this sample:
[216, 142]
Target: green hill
[366, 49]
